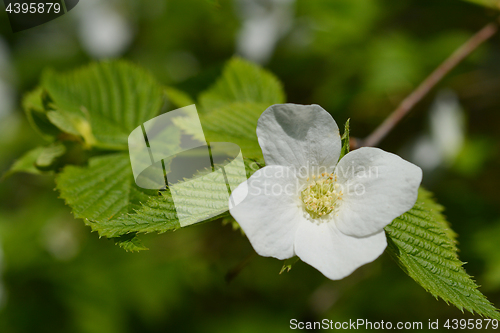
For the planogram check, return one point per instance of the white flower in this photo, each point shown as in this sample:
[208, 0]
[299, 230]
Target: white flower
[303, 203]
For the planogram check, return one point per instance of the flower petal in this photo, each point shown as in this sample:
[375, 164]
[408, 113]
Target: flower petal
[377, 187]
[333, 253]
[299, 136]
[268, 210]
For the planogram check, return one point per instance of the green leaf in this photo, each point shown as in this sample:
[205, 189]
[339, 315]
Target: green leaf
[50, 154]
[25, 163]
[34, 108]
[105, 195]
[102, 191]
[37, 160]
[424, 246]
[103, 102]
[253, 164]
[345, 140]
[235, 103]
[130, 243]
[159, 214]
[156, 214]
[288, 263]
[242, 82]
[234, 122]
[73, 123]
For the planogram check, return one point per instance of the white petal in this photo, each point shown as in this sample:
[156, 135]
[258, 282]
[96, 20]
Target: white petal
[270, 211]
[333, 253]
[377, 187]
[299, 136]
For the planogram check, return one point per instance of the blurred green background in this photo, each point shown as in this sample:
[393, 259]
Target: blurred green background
[356, 58]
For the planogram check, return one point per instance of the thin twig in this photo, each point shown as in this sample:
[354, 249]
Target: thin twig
[233, 273]
[409, 102]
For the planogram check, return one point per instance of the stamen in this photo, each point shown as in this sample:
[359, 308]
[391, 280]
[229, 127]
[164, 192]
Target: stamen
[322, 196]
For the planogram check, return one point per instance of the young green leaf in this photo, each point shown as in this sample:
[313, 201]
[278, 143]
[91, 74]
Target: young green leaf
[25, 163]
[424, 246]
[37, 160]
[288, 263]
[345, 140]
[33, 105]
[74, 123]
[49, 155]
[242, 82]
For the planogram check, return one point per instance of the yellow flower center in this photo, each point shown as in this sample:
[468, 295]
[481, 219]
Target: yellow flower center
[322, 196]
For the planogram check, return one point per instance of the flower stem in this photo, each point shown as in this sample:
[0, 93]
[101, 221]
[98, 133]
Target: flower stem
[430, 82]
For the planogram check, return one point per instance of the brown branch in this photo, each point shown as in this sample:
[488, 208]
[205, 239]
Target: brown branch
[233, 273]
[409, 102]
